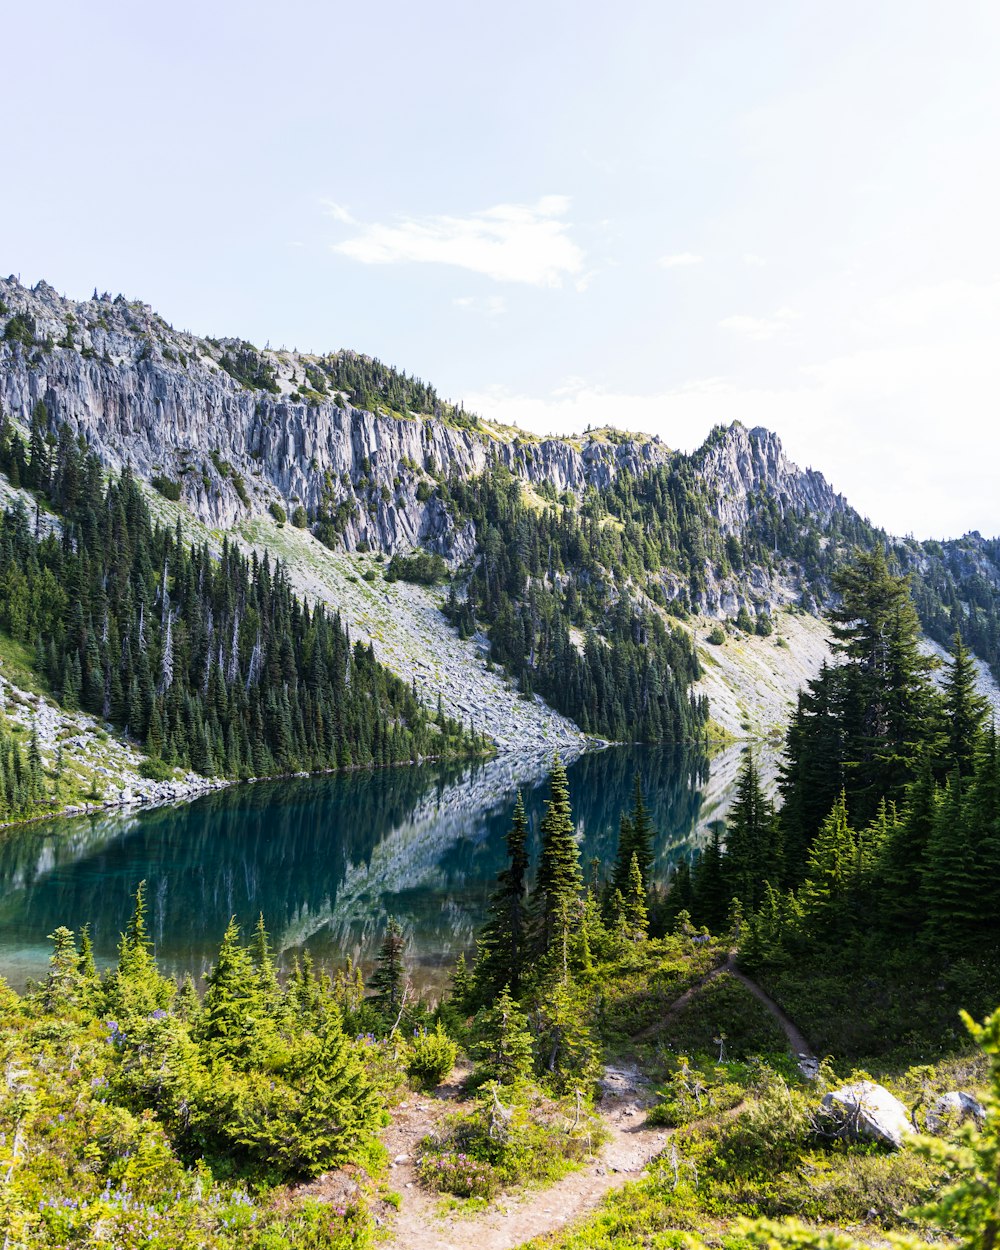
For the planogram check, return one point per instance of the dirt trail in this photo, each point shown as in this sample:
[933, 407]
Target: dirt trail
[511, 1221]
[678, 1005]
[807, 1061]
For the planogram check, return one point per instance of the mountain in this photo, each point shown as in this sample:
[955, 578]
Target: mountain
[588, 570]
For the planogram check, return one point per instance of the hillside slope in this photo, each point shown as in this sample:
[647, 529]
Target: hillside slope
[335, 462]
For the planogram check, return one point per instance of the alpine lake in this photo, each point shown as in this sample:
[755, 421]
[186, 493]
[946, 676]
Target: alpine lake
[328, 860]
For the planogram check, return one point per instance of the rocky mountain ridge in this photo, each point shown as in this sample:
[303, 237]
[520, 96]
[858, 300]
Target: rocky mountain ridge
[242, 439]
[143, 394]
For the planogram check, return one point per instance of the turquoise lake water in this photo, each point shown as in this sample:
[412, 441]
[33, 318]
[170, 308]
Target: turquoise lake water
[329, 859]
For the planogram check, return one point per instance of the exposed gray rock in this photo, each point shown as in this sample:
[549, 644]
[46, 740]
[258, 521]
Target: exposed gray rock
[143, 394]
[865, 1109]
[953, 1108]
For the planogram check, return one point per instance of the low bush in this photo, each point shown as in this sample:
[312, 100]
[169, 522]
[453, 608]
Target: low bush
[432, 1057]
[154, 769]
[167, 487]
[501, 1144]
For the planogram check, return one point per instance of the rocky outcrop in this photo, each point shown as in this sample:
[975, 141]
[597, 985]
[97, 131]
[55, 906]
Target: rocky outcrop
[865, 1109]
[740, 466]
[145, 395]
[954, 1108]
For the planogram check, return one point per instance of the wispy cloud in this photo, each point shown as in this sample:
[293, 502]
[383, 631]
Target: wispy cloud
[678, 260]
[760, 329]
[338, 212]
[490, 305]
[527, 243]
[753, 260]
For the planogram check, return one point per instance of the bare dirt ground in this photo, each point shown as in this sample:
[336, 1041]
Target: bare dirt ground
[423, 1223]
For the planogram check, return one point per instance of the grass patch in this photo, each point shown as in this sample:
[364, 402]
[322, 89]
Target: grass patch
[510, 1138]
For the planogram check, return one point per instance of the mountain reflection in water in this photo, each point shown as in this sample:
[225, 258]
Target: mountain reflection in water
[328, 859]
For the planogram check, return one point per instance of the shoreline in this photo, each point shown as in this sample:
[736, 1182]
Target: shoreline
[186, 790]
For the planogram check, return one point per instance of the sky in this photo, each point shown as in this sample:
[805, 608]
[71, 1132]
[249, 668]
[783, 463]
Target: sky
[661, 216]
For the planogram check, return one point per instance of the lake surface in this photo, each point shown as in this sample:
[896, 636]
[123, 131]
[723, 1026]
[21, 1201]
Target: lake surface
[329, 859]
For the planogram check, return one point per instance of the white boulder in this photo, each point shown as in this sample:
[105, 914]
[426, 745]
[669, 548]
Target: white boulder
[865, 1109]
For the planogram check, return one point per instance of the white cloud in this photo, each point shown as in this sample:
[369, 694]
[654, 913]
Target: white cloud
[679, 260]
[338, 212]
[526, 243]
[491, 305]
[753, 260]
[759, 329]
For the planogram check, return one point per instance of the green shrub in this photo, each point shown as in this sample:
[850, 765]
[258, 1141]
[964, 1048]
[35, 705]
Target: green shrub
[155, 770]
[432, 1057]
[507, 1140]
[278, 512]
[300, 518]
[167, 487]
[718, 636]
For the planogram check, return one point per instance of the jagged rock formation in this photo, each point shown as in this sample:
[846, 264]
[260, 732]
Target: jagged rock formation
[175, 407]
[146, 395]
[741, 465]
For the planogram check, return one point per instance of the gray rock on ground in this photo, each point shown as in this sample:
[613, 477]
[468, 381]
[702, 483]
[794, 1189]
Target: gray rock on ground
[865, 1109]
[952, 1108]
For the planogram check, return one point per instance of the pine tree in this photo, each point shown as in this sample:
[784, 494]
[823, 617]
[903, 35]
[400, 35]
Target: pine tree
[560, 880]
[680, 894]
[635, 912]
[643, 836]
[623, 857]
[950, 910]
[502, 1043]
[64, 983]
[708, 884]
[136, 987]
[504, 938]
[234, 1014]
[830, 876]
[900, 869]
[339, 1111]
[751, 857]
[983, 820]
[568, 1055]
[389, 978]
[263, 962]
[965, 709]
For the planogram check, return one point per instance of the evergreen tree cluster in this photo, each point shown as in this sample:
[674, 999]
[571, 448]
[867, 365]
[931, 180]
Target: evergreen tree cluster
[258, 1077]
[212, 663]
[553, 586]
[22, 776]
[887, 841]
[536, 947]
[370, 384]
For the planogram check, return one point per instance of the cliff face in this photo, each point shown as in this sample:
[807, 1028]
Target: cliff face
[739, 464]
[146, 395]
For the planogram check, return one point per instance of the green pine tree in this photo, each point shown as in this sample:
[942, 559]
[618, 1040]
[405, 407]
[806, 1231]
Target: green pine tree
[502, 1048]
[965, 709]
[389, 978]
[559, 882]
[503, 947]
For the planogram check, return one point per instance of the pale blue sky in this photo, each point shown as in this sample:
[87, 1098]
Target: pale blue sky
[660, 216]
